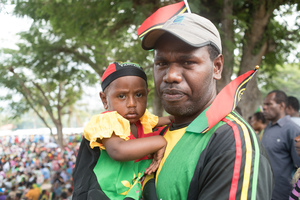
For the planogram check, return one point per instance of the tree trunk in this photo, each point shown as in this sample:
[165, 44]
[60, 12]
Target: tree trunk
[227, 35]
[254, 48]
[157, 106]
[60, 139]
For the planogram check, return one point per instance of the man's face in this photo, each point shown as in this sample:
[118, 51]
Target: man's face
[289, 110]
[185, 78]
[272, 110]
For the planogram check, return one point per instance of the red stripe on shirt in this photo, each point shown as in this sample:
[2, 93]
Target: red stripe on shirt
[238, 160]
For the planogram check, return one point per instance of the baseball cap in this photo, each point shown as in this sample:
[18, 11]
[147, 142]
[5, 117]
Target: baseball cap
[191, 28]
[116, 70]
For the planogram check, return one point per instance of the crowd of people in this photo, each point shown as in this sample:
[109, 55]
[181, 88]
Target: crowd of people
[278, 127]
[30, 168]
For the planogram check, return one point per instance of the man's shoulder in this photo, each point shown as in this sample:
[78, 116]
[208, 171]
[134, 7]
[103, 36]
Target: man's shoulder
[289, 123]
[233, 123]
[232, 129]
[296, 120]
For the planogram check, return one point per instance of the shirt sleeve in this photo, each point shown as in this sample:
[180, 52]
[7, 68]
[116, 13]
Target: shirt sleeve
[103, 126]
[236, 166]
[149, 121]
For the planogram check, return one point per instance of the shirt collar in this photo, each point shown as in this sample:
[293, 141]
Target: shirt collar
[200, 124]
[281, 121]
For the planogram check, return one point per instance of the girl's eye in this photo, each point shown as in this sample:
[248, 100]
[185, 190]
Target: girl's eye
[139, 94]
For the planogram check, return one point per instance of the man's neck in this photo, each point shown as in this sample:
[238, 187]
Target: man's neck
[296, 114]
[282, 115]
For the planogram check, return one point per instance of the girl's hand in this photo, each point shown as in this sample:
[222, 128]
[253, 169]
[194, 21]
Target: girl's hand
[157, 157]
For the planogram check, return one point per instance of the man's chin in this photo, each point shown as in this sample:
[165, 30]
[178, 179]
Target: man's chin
[178, 109]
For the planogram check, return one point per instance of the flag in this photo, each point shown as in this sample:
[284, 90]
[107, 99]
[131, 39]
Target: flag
[157, 19]
[225, 102]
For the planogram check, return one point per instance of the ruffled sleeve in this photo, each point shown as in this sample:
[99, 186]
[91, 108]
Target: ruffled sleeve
[149, 121]
[104, 125]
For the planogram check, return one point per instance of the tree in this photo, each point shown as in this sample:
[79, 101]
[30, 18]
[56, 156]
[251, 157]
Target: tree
[104, 31]
[101, 31]
[251, 27]
[286, 78]
[48, 82]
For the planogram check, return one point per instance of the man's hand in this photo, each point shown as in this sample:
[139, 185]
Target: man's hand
[157, 157]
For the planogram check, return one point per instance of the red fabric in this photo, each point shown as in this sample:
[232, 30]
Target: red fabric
[142, 135]
[228, 98]
[237, 162]
[110, 69]
[160, 17]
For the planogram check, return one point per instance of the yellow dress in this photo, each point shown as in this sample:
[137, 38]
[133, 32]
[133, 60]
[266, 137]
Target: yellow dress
[119, 180]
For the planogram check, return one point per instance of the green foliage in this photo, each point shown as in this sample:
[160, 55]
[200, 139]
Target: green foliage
[286, 78]
[105, 31]
[48, 81]
[68, 36]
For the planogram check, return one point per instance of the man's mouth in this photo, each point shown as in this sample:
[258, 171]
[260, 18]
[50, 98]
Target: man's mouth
[172, 95]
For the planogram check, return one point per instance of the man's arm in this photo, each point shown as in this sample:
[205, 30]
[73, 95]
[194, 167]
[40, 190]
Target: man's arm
[234, 166]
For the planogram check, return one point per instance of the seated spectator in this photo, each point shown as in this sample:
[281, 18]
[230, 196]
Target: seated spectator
[3, 194]
[13, 192]
[33, 193]
[44, 195]
[258, 123]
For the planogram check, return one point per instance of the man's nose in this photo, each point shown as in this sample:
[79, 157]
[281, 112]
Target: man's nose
[173, 74]
[264, 107]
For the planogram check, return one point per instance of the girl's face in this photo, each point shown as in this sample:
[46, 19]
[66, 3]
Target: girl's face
[128, 96]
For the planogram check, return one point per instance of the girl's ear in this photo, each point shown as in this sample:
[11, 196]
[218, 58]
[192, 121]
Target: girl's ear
[103, 99]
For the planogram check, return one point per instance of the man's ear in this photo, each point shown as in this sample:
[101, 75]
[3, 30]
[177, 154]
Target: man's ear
[283, 106]
[218, 67]
[103, 99]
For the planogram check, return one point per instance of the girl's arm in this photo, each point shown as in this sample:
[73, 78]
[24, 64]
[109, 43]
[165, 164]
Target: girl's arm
[164, 120]
[121, 150]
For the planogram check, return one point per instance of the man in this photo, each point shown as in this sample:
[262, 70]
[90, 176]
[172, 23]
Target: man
[226, 161]
[278, 140]
[258, 123]
[292, 109]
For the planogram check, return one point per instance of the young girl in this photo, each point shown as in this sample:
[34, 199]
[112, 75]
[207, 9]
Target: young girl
[122, 133]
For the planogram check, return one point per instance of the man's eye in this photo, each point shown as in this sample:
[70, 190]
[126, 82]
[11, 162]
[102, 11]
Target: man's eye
[161, 63]
[139, 94]
[121, 96]
[188, 62]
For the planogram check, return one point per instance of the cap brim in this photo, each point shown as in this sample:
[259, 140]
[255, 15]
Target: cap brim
[152, 37]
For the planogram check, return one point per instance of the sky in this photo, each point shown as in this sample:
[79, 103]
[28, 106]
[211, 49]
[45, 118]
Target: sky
[10, 26]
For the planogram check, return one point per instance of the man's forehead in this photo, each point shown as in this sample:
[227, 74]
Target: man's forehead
[178, 49]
